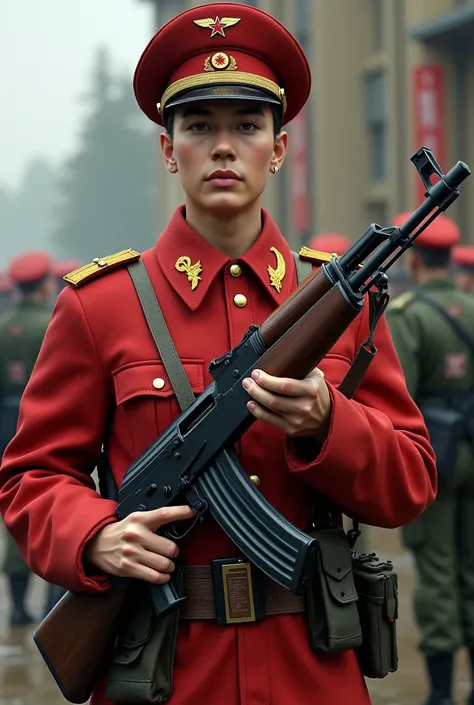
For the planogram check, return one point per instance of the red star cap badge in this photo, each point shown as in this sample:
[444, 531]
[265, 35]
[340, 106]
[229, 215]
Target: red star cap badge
[217, 26]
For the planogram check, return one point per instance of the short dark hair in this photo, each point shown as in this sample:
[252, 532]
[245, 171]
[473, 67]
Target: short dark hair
[276, 112]
[28, 288]
[433, 259]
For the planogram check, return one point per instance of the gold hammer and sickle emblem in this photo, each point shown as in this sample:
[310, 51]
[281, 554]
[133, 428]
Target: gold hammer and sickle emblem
[277, 275]
[183, 264]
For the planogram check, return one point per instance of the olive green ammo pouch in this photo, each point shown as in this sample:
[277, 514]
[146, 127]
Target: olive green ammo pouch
[141, 669]
[377, 588]
[331, 598]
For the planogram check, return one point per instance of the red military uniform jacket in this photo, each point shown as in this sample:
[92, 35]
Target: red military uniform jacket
[93, 382]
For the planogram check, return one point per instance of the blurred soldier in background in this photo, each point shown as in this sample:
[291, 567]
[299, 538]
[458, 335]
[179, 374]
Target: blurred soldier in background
[63, 267]
[21, 333]
[433, 332]
[463, 261]
[6, 292]
[330, 242]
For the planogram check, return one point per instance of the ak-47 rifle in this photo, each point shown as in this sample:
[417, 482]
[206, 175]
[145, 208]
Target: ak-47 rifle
[193, 460]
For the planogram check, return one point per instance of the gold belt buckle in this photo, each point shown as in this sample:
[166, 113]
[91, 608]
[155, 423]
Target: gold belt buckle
[238, 593]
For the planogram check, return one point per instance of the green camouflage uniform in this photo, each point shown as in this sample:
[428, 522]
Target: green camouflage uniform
[21, 333]
[442, 539]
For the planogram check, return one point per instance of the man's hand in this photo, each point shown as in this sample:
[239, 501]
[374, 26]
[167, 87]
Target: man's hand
[300, 408]
[130, 548]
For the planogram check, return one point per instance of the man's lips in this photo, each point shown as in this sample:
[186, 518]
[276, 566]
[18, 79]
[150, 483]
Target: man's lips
[223, 177]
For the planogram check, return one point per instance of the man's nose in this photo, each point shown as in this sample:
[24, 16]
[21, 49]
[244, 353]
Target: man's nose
[224, 147]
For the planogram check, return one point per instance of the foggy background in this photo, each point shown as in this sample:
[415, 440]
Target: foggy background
[69, 119]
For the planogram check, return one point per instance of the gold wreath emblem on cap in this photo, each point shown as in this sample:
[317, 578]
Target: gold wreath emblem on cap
[220, 62]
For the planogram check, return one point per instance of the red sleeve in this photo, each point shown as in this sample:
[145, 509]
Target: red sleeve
[47, 495]
[377, 463]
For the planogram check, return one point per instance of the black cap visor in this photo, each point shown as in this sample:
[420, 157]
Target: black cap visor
[223, 91]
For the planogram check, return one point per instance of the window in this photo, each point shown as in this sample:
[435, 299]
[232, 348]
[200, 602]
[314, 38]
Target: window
[376, 119]
[377, 24]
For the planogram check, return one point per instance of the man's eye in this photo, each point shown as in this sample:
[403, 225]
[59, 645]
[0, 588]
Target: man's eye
[199, 127]
[247, 126]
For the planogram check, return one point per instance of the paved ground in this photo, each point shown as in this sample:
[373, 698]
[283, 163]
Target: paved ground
[24, 680]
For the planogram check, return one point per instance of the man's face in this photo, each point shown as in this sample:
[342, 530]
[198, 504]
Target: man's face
[223, 151]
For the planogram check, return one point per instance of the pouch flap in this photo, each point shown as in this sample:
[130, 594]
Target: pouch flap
[336, 559]
[150, 378]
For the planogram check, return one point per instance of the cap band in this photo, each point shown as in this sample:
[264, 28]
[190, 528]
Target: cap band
[234, 77]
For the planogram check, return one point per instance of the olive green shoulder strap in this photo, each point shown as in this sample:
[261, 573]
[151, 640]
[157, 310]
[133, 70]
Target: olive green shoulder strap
[303, 267]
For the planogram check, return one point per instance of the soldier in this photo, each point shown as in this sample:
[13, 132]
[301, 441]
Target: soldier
[330, 242]
[21, 333]
[433, 332]
[222, 80]
[6, 292]
[463, 261]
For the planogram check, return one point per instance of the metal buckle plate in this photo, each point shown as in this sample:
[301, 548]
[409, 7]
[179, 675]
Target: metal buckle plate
[238, 593]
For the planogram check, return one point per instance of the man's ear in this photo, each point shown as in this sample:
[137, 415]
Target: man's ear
[279, 151]
[168, 152]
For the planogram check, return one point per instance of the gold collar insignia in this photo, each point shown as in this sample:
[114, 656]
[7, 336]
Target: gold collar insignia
[183, 264]
[277, 275]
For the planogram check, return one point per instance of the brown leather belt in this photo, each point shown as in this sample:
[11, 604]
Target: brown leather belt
[197, 586]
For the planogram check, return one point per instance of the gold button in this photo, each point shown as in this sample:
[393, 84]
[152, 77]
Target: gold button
[235, 270]
[102, 263]
[96, 260]
[240, 300]
[255, 479]
[159, 383]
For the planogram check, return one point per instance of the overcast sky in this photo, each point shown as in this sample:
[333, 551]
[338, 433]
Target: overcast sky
[46, 54]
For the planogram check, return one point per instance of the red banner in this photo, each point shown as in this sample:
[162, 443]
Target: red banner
[300, 218]
[429, 115]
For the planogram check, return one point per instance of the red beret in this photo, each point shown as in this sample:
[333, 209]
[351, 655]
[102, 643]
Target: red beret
[65, 266]
[463, 256]
[222, 50]
[442, 234]
[30, 267]
[330, 242]
[6, 283]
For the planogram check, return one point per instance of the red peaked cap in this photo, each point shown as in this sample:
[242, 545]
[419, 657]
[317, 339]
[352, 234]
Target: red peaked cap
[6, 283]
[65, 266]
[30, 267]
[222, 50]
[330, 242]
[463, 256]
[441, 234]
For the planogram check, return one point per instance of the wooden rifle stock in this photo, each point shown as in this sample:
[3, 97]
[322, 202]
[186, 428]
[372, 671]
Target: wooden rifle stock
[75, 663]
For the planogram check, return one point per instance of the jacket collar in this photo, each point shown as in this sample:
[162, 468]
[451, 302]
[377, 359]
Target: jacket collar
[188, 261]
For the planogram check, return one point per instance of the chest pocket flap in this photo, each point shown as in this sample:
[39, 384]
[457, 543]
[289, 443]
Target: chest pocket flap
[149, 378]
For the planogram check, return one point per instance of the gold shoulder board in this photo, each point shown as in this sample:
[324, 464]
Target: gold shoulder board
[316, 255]
[401, 301]
[99, 266]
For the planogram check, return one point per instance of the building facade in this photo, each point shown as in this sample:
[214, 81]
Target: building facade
[388, 77]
